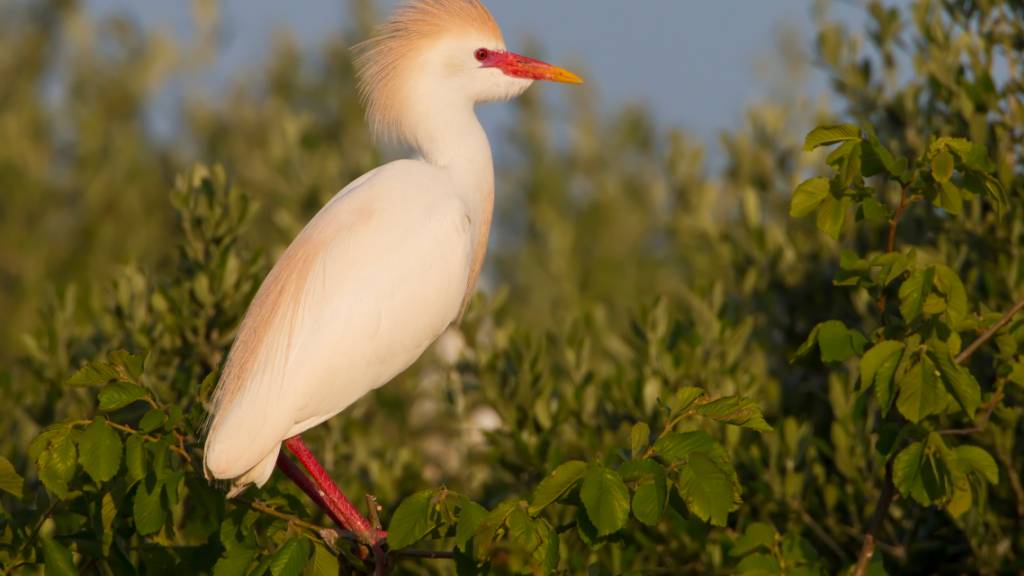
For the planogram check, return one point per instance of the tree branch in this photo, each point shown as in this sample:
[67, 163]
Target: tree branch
[881, 512]
[992, 330]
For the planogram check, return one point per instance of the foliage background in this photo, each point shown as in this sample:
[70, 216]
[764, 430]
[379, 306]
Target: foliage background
[622, 272]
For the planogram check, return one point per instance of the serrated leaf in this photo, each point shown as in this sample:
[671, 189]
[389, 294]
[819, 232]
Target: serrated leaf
[808, 344]
[650, 494]
[757, 535]
[977, 460]
[950, 198]
[736, 410]
[290, 559]
[148, 509]
[942, 166]
[411, 522]
[807, 196]
[707, 489]
[676, 446]
[471, 515]
[759, 565]
[834, 342]
[874, 211]
[605, 498]
[10, 481]
[828, 135]
[560, 481]
[639, 438]
[878, 366]
[832, 214]
[914, 291]
[99, 451]
[955, 295]
[921, 471]
[135, 458]
[93, 374]
[684, 398]
[108, 512]
[57, 464]
[120, 394]
[152, 420]
[325, 563]
[920, 393]
[957, 380]
[57, 559]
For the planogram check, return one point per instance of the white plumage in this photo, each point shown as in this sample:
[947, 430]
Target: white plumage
[387, 265]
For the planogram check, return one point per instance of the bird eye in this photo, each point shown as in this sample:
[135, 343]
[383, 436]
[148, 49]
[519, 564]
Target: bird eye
[482, 54]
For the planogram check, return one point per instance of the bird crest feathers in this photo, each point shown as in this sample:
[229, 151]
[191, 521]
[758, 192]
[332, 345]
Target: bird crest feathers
[381, 61]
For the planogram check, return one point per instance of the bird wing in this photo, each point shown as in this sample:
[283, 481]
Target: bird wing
[363, 290]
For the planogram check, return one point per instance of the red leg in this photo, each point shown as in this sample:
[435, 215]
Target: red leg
[292, 471]
[331, 494]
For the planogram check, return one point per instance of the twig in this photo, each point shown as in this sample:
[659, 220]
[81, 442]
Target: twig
[988, 334]
[425, 554]
[881, 512]
[128, 429]
[890, 246]
[822, 534]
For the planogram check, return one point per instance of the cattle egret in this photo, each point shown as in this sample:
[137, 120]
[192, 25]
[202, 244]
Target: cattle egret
[387, 265]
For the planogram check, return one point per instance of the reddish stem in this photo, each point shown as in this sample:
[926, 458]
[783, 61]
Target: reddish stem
[331, 495]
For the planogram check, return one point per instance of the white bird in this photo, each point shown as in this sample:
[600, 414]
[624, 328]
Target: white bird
[388, 264]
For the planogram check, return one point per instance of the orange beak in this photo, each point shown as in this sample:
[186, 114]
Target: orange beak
[522, 67]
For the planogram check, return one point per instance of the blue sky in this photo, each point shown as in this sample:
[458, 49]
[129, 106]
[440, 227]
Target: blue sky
[694, 62]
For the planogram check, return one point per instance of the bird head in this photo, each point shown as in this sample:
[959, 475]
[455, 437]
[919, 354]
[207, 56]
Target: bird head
[433, 56]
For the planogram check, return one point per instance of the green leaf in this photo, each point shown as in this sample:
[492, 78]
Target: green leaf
[950, 198]
[975, 459]
[639, 438]
[914, 291]
[135, 458]
[108, 512]
[152, 420]
[556, 485]
[877, 367]
[736, 410]
[707, 489]
[957, 380]
[942, 166]
[828, 135]
[236, 561]
[605, 498]
[93, 374]
[120, 394]
[684, 398]
[834, 342]
[920, 394]
[411, 522]
[948, 282]
[808, 345]
[874, 211]
[148, 509]
[471, 515]
[10, 481]
[57, 559]
[757, 535]
[290, 559]
[807, 196]
[99, 451]
[677, 446]
[921, 471]
[523, 532]
[325, 563]
[650, 493]
[759, 565]
[57, 464]
[832, 214]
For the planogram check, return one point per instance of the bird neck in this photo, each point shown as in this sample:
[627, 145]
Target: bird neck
[449, 136]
